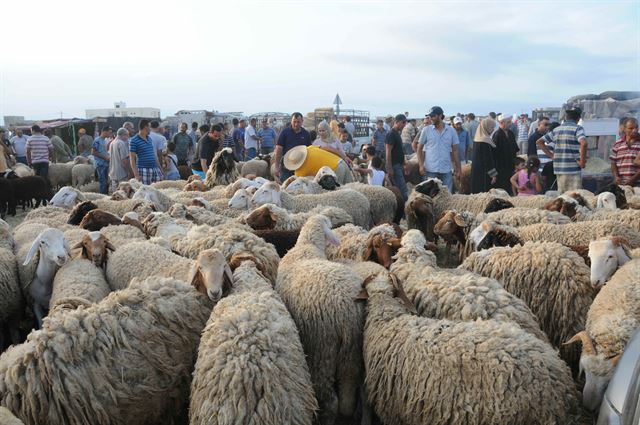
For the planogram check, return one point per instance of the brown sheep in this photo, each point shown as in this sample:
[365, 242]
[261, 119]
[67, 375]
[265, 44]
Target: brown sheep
[96, 219]
[94, 248]
[419, 213]
[454, 227]
[194, 186]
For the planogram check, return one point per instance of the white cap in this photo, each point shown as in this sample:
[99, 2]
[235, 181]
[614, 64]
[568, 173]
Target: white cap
[457, 120]
[503, 117]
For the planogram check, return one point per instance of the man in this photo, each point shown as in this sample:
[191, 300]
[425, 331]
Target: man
[395, 156]
[267, 136]
[142, 155]
[437, 150]
[523, 132]
[464, 145]
[349, 126]
[39, 151]
[570, 152]
[379, 137]
[290, 137]
[167, 132]
[210, 143]
[184, 145]
[472, 125]
[84, 143]
[505, 152]
[119, 164]
[623, 154]
[546, 164]
[99, 150]
[18, 144]
[193, 133]
[621, 124]
[61, 151]
[159, 142]
[543, 126]
[238, 137]
[128, 125]
[408, 133]
[251, 140]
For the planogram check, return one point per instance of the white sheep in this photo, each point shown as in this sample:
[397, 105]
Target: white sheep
[78, 282]
[613, 318]
[60, 174]
[154, 196]
[382, 201]
[357, 244]
[607, 201]
[251, 367]
[607, 255]
[421, 370]
[353, 203]
[320, 294]
[11, 302]
[580, 233]
[301, 185]
[67, 197]
[82, 174]
[443, 200]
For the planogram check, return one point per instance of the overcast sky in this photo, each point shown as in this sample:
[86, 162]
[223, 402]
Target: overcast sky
[387, 57]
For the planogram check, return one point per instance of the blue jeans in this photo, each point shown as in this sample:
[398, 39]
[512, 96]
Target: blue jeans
[103, 177]
[22, 160]
[250, 153]
[446, 178]
[173, 175]
[398, 180]
[284, 174]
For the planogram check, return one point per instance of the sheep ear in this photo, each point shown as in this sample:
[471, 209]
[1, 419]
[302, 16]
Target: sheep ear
[614, 360]
[78, 245]
[110, 246]
[585, 339]
[368, 251]
[459, 220]
[227, 279]
[196, 279]
[363, 295]
[32, 251]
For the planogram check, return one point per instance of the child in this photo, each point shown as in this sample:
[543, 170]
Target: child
[526, 182]
[347, 146]
[172, 162]
[375, 175]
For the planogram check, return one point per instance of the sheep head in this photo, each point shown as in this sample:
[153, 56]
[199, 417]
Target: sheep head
[497, 204]
[201, 202]
[119, 195]
[240, 257]
[430, 187]
[67, 197]
[269, 193]
[96, 219]
[607, 201]
[79, 211]
[618, 192]
[262, 218]
[327, 178]
[94, 247]
[452, 223]
[489, 234]
[193, 178]
[132, 219]
[385, 283]
[241, 200]
[52, 247]
[126, 188]
[597, 368]
[194, 186]
[606, 256]
[211, 275]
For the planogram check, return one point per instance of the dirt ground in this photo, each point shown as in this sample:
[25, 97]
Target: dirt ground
[13, 221]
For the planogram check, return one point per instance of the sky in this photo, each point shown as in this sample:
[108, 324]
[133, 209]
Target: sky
[386, 57]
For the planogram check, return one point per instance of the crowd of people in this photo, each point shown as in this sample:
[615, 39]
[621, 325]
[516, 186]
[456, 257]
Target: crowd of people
[496, 147]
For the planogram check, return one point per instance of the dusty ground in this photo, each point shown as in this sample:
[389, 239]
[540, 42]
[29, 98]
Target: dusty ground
[13, 221]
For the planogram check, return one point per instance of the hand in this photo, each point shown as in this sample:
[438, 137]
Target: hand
[494, 180]
[278, 172]
[423, 172]
[581, 164]
[456, 174]
[389, 171]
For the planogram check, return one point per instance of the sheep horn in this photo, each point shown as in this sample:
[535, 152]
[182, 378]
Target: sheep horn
[587, 342]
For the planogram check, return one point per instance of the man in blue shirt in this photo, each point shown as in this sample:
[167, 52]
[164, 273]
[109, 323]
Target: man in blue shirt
[267, 138]
[99, 152]
[238, 137]
[379, 136]
[464, 146]
[143, 156]
[437, 150]
[290, 137]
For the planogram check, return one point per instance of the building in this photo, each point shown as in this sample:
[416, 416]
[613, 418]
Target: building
[120, 109]
[16, 121]
[202, 116]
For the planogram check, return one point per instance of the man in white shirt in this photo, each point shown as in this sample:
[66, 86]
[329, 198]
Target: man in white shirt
[159, 142]
[19, 143]
[251, 140]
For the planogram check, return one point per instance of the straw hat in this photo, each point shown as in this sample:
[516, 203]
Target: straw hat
[295, 157]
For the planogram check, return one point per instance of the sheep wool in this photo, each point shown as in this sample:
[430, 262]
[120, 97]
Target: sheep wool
[382, 201]
[354, 241]
[580, 233]
[120, 208]
[123, 234]
[7, 418]
[251, 367]
[11, 302]
[630, 218]
[520, 216]
[78, 279]
[421, 370]
[125, 360]
[551, 279]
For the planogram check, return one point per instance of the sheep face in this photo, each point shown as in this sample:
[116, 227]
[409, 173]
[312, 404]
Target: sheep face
[241, 200]
[194, 186]
[79, 211]
[328, 182]
[51, 245]
[97, 219]
[147, 193]
[450, 223]
[211, 275]
[607, 201]
[194, 177]
[66, 197]
[478, 234]
[497, 204]
[178, 211]
[225, 162]
[296, 184]
[381, 250]
[261, 218]
[94, 248]
[119, 195]
[269, 193]
[606, 256]
[430, 187]
[126, 188]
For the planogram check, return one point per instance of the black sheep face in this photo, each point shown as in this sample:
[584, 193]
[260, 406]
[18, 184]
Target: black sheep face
[80, 210]
[497, 204]
[226, 162]
[429, 188]
[328, 182]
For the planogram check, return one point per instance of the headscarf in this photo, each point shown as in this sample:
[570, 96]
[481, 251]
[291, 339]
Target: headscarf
[484, 131]
[324, 126]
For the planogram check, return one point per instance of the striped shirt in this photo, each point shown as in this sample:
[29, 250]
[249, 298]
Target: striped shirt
[39, 145]
[567, 139]
[624, 155]
[227, 142]
[145, 151]
[544, 159]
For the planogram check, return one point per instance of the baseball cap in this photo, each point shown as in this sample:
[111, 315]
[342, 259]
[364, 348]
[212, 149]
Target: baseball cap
[575, 109]
[435, 110]
[457, 120]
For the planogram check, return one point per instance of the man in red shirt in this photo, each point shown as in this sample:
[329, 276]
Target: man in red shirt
[624, 153]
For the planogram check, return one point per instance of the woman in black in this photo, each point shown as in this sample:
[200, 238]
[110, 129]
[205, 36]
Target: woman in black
[505, 153]
[483, 164]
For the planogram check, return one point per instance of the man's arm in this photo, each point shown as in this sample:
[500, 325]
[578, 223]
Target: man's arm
[540, 144]
[389, 165]
[133, 158]
[28, 153]
[614, 171]
[583, 153]
[456, 160]
[278, 157]
[203, 164]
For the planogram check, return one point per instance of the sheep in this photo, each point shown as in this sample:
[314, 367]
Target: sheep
[7, 198]
[128, 187]
[618, 192]
[78, 282]
[97, 219]
[421, 370]
[60, 174]
[49, 215]
[553, 281]
[6, 240]
[11, 302]
[79, 211]
[257, 167]
[412, 255]
[454, 228]
[82, 174]
[382, 201]
[126, 359]
[198, 215]
[67, 197]
[270, 216]
[25, 189]
[378, 244]
[607, 255]
[241, 183]
[169, 184]
[580, 233]
[222, 170]
[443, 200]
[195, 186]
[153, 195]
[120, 208]
[613, 318]
[497, 204]
[241, 200]
[94, 246]
[123, 234]
[606, 200]
[353, 203]
[301, 185]
[319, 295]
[628, 217]
[490, 234]
[22, 170]
[518, 217]
[250, 334]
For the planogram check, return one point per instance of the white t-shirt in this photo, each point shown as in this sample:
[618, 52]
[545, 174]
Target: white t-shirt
[376, 178]
[158, 140]
[350, 127]
[248, 141]
[172, 160]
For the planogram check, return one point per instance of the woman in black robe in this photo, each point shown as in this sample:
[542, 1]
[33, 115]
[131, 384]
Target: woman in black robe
[483, 164]
[505, 153]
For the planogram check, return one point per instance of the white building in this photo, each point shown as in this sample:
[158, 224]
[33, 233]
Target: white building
[120, 110]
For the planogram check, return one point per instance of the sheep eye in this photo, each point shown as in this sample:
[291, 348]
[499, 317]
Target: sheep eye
[610, 257]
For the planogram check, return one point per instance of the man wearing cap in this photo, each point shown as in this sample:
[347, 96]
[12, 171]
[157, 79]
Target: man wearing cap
[465, 141]
[570, 152]
[290, 137]
[505, 153]
[84, 143]
[437, 150]
[307, 160]
[394, 155]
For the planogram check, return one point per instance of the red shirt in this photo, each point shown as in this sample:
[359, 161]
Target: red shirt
[624, 155]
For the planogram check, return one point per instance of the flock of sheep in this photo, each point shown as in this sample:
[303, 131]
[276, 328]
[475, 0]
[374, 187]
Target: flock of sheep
[237, 300]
